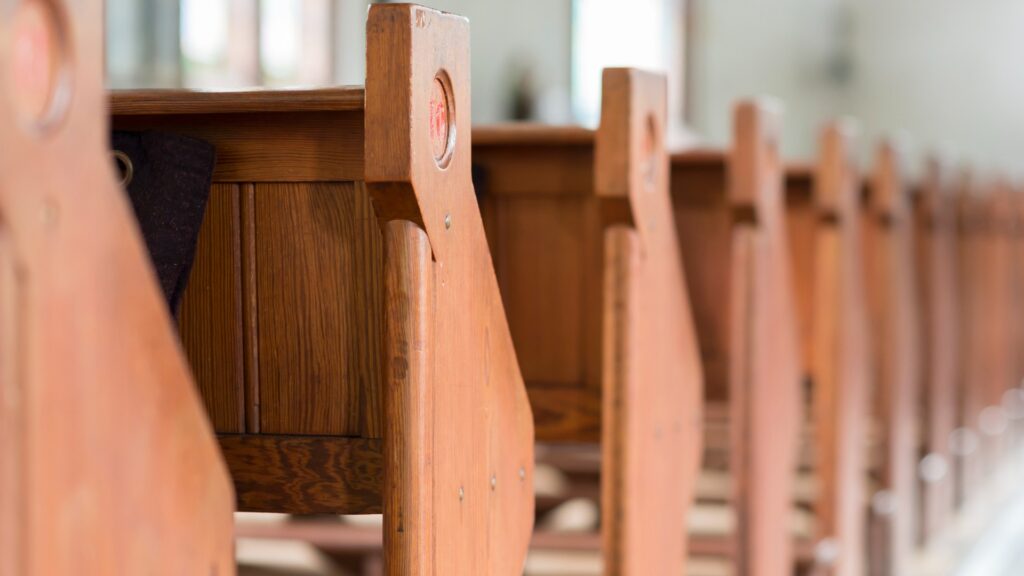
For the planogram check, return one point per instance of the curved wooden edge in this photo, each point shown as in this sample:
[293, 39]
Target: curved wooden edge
[840, 365]
[117, 470]
[474, 443]
[765, 388]
[892, 280]
[652, 381]
[889, 196]
[938, 295]
[836, 171]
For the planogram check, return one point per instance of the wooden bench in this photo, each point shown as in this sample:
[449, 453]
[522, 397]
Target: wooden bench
[896, 347]
[343, 319]
[1001, 318]
[974, 272]
[823, 219]
[107, 462]
[729, 207]
[935, 260]
[584, 244]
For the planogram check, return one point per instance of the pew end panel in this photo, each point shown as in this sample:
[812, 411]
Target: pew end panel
[651, 380]
[937, 293]
[108, 464]
[825, 208]
[891, 280]
[730, 209]
[473, 446]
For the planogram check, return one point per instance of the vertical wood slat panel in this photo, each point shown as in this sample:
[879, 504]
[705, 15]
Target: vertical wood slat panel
[211, 312]
[318, 292]
[547, 258]
[250, 324]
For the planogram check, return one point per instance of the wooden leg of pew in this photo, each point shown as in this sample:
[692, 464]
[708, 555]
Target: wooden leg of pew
[408, 403]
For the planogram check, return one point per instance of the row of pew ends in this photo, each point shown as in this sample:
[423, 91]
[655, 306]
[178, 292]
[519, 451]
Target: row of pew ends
[390, 309]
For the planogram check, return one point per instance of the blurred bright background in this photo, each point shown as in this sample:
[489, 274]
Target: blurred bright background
[943, 71]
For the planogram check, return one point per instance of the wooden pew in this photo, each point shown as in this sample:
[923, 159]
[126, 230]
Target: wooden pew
[107, 462]
[970, 288]
[583, 240]
[889, 253]
[999, 306]
[935, 251]
[343, 318]
[823, 220]
[730, 210]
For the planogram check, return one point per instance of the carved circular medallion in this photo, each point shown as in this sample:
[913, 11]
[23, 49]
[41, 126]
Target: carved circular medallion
[442, 120]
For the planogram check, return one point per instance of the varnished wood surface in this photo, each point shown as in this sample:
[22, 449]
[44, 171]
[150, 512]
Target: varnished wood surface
[480, 512]
[937, 289]
[316, 356]
[314, 146]
[735, 250]
[211, 312]
[823, 214]
[970, 379]
[896, 347]
[185, 102]
[651, 377]
[305, 474]
[528, 134]
[113, 468]
[319, 295]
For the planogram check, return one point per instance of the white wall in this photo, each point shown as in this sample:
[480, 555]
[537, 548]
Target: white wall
[947, 71]
[788, 49]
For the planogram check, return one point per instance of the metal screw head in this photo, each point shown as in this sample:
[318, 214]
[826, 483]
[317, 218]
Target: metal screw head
[494, 482]
[447, 221]
[462, 493]
[522, 473]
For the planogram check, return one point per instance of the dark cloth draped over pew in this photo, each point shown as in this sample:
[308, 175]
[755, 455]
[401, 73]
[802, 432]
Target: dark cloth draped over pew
[167, 177]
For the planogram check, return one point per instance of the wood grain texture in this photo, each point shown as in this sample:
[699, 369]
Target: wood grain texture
[189, 102]
[120, 472]
[891, 280]
[521, 168]
[264, 146]
[210, 320]
[547, 253]
[319, 293]
[652, 381]
[410, 399]
[481, 472]
[305, 474]
[940, 346]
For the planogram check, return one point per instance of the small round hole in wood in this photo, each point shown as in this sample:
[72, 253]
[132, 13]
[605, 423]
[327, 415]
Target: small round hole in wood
[38, 77]
[442, 120]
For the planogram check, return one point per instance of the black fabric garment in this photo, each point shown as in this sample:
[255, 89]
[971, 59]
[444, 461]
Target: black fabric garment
[169, 188]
